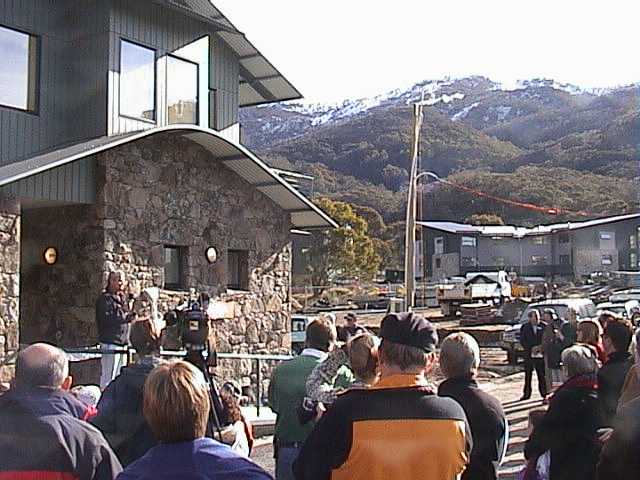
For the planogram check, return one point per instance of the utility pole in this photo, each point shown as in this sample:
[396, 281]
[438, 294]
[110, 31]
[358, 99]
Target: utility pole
[410, 231]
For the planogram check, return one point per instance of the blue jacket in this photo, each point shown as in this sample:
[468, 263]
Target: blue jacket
[46, 401]
[120, 416]
[199, 459]
[41, 437]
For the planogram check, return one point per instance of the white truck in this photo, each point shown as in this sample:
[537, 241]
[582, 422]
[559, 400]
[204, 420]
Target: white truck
[493, 287]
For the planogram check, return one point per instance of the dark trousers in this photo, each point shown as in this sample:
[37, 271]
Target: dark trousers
[529, 365]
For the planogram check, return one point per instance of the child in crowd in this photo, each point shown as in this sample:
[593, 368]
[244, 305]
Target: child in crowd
[359, 357]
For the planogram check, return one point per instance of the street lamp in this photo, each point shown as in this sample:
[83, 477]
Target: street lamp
[410, 239]
[410, 229]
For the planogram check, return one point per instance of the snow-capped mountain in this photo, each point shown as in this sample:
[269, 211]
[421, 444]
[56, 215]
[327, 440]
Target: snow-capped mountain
[477, 101]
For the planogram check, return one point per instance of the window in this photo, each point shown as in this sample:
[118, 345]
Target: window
[173, 267]
[565, 259]
[499, 261]
[632, 241]
[607, 259]
[538, 260]
[539, 240]
[607, 241]
[438, 263]
[633, 260]
[137, 81]
[438, 246]
[564, 238]
[18, 75]
[468, 261]
[182, 91]
[238, 269]
[468, 241]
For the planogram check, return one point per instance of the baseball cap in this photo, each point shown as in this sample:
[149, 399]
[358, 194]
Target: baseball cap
[409, 329]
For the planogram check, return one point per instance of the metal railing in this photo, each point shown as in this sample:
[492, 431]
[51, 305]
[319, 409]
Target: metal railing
[90, 353]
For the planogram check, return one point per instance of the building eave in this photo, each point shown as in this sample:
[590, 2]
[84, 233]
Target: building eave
[304, 214]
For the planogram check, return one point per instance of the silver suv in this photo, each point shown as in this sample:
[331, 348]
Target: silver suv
[584, 308]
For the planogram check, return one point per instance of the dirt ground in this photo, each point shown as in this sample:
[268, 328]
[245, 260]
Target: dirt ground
[497, 378]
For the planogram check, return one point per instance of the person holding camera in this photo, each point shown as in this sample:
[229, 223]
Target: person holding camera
[113, 316]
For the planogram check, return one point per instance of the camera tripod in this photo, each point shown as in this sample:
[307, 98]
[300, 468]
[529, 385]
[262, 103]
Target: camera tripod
[196, 358]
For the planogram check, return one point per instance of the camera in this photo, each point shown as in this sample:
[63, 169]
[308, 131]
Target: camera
[192, 324]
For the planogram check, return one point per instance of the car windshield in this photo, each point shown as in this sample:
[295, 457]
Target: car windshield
[619, 309]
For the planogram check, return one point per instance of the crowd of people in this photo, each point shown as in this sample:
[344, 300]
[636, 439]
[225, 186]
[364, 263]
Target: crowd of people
[351, 405]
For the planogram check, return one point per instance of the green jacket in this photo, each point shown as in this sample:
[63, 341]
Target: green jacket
[287, 390]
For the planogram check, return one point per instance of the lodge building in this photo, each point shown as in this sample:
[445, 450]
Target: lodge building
[120, 149]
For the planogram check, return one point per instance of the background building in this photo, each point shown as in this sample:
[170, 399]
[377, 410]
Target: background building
[564, 249]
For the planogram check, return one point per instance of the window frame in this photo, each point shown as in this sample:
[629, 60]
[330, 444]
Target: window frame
[243, 276]
[539, 260]
[438, 244]
[155, 82]
[567, 259]
[33, 74]
[182, 255]
[564, 238]
[166, 89]
[539, 240]
[472, 244]
[607, 262]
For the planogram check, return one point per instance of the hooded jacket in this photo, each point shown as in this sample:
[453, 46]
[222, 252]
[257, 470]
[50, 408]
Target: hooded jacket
[120, 415]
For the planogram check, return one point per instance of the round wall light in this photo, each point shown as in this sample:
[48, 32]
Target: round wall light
[211, 254]
[50, 255]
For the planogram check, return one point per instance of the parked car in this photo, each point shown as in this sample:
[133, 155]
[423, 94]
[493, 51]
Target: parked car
[584, 307]
[629, 309]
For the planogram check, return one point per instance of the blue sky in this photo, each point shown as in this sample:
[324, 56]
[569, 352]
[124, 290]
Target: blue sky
[333, 50]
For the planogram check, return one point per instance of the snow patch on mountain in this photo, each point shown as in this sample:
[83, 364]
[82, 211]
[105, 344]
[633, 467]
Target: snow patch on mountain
[462, 114]
[444, 98]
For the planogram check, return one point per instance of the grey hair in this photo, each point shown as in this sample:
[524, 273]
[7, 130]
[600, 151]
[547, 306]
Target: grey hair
[48, 371]
[579, 360]
[459, 355]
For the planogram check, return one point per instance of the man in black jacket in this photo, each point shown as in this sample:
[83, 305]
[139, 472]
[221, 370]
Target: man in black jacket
[459, 361]
[40, 439]
[531, 341]
[619, 459]
[616, 341]
[113, 317]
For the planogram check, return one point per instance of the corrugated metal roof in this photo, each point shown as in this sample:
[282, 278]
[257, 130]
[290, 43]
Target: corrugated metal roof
[270, 85]
[511, 231]
[304, 214]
